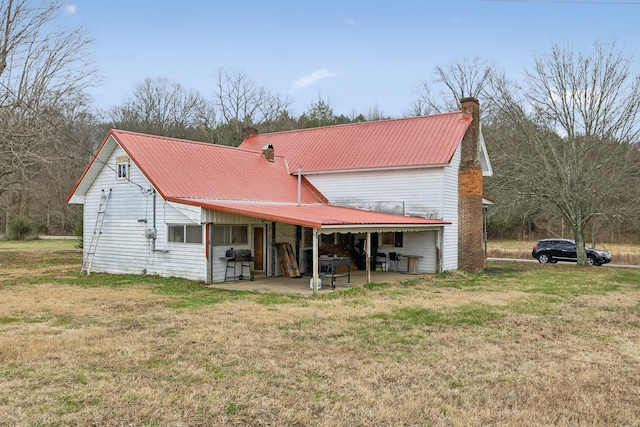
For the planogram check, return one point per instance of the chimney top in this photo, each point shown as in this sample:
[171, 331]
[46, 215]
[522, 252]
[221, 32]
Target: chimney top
[268, 152]
[470, 105]
[470, 156]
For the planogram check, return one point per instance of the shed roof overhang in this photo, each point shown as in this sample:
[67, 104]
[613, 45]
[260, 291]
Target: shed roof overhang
[325, 218]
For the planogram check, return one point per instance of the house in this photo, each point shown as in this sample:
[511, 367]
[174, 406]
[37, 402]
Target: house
[171, 207]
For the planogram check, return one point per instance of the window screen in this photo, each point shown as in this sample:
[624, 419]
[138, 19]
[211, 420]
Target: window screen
[230, 235]
[185, 233]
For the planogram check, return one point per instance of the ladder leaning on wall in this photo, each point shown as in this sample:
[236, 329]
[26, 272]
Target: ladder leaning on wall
[97, 231]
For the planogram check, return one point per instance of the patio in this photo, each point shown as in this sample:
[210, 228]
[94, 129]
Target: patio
[300, 286]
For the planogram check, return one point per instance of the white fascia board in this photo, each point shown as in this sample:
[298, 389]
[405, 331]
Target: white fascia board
[77, 199]
[485, 163]
[100, 162]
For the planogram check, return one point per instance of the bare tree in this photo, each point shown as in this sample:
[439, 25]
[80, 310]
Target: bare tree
[161, 107]
[44, 71]
[73, 147]
[21, 24]
[375, 112]
[571, 132]
[455, 81]
[591, 93]
[242, 103]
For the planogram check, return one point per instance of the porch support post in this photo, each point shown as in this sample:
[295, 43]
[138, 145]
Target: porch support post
[315, 262]
[367, 253]
[209, 239]
[439, 236]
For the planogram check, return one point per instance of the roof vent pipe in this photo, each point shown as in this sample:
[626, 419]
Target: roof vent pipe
[299, 182]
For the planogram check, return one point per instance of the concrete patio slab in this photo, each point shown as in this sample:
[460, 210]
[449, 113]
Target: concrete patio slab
[300, 286]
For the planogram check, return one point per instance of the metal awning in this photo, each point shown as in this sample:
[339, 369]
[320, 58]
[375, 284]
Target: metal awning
[322, 217]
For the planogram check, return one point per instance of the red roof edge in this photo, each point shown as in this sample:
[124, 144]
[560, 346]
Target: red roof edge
[313, 189]
[135, 161]
[86, 170]
[246, 212]
[488, 198]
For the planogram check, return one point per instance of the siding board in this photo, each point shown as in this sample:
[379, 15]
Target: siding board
[123, 247]
[450, 203]
[427, 192]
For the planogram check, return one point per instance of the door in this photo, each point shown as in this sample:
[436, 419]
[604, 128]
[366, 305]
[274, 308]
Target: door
[570, 251]
[557, 250]
[258, 248]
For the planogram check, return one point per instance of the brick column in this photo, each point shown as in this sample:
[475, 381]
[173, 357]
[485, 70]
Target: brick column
[470, 245]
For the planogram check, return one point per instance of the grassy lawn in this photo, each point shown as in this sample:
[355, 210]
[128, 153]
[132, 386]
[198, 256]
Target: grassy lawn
[40, 244]
[522, 344]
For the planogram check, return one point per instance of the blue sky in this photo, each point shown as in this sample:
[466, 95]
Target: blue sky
[355, 54]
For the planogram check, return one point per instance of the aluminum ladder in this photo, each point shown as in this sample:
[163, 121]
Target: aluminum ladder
[97, 231]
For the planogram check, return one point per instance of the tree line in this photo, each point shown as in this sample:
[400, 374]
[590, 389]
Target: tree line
[563, 140]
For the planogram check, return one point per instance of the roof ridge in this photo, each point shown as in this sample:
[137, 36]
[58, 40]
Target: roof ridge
[185, 141]
[370, 122]
[247, 201]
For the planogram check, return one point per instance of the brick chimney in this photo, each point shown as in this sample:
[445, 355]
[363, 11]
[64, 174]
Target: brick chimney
[470, 236]
[268, 152]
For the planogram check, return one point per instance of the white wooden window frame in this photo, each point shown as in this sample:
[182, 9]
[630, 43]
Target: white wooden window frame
[184, 233]
[123, 168]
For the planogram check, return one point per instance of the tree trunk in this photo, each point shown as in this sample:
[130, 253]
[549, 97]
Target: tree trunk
[580, 248]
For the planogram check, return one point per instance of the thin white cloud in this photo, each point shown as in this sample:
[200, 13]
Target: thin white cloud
[70, 9]
[350, 21]
[310, 79]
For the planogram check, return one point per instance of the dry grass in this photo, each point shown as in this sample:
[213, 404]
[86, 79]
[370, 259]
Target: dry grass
[626, 254]
[521, 345]
[51, 244]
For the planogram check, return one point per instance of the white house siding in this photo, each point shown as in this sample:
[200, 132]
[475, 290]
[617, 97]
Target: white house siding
[123, 247]
[422, 245]
[223, 218]
[416, 192]
[427, 192]
[450, 199]
[220, 263]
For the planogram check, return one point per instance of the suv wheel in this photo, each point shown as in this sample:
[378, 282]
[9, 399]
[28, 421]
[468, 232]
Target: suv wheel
[544, 258]
[591, 261]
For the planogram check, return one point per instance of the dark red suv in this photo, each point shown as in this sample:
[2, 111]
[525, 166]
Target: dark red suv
[554, 250]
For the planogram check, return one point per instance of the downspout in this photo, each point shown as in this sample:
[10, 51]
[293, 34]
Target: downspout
[155, 232]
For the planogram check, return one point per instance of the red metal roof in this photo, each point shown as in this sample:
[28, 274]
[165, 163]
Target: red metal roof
[314, 215]
[410, 142]
[193, 170]
[239, 181]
